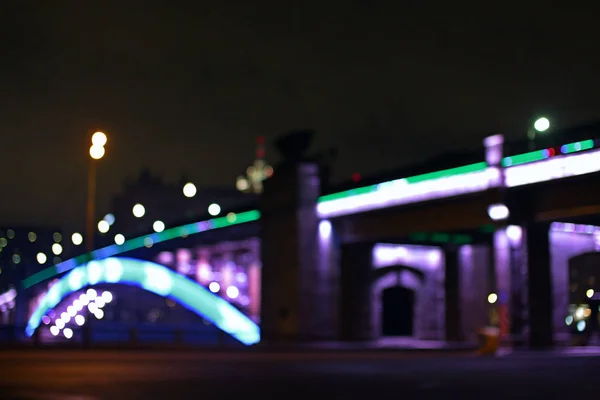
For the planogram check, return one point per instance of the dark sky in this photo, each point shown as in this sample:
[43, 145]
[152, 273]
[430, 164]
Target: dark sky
[186, 86]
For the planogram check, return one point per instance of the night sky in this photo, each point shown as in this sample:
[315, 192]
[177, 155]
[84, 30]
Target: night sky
[186, 86]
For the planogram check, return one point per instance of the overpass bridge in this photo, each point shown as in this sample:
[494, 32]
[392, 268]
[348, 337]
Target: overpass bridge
[507, 224]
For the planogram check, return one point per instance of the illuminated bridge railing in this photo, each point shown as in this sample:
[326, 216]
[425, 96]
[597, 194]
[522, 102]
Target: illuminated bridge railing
[571, 159]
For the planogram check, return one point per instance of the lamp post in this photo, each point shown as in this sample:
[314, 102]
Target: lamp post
[96, 153]
[540, 125]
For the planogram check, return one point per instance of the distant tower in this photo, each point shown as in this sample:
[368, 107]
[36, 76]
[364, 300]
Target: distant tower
[257, 172]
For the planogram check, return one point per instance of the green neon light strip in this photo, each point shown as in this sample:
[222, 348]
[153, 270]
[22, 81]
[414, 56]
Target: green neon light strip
[446, 173]
[139, 242]
[577, 146]
[540, 155]
[524, 158]
[254, 215]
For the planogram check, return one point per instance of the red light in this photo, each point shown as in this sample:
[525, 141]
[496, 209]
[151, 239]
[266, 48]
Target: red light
[356, 177]
[260, 140]
[551, 152]
[260, 153]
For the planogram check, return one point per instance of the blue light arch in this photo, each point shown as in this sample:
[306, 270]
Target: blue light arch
[154, 278]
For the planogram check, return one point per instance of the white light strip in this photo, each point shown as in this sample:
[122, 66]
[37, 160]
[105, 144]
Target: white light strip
[553, 168]
[400, 192]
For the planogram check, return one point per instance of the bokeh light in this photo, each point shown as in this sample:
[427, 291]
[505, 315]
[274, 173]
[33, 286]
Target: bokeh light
[214, 209]
[189, 190]
[99, 139]
[138, 210]
[57, 249]
[76, 238]
[97, 152]
[103, 226]
[41, 258]
[158, 226]
[119, 239]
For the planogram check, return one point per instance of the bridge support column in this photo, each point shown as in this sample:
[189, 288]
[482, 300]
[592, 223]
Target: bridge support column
[539, 286]
[453, 317]
[297, 302]
[355, 300]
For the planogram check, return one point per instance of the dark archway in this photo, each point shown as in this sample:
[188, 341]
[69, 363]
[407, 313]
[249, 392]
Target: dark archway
[397, 311]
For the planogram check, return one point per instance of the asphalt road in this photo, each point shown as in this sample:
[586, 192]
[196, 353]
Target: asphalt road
[77, 375]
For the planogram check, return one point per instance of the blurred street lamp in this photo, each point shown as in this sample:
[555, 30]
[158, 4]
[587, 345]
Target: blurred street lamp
[189, 190]
[158, 226]
[214, 209]
[41, 258]
[77, 239]
[540, 125]
[138, 210]
[103, 226]
[57, 249]
[97, 151]
[119, 239]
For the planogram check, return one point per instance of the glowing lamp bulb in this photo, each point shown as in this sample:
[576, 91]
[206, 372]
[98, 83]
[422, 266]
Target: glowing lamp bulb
[542, 124]
[158, 226]
[214, 209]
[99, 139]
[77, 239]
[119, 239]
[189, 190]
[41, 258]
[97, 152]
[103, 226]
[138, 210]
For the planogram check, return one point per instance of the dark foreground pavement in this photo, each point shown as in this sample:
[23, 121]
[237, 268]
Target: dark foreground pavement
[78, 375]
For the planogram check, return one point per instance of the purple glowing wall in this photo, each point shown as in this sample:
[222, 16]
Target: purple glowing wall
[475, 286]
[327, 280]
[229, 269]
[566, 242]
[429, 312]
[428, 315]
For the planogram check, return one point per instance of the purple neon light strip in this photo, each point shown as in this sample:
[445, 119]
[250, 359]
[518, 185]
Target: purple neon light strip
[553, 168]
[575, 228]
[401, 191]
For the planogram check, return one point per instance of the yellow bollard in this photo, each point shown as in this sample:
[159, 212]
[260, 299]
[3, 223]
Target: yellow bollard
[490, 341]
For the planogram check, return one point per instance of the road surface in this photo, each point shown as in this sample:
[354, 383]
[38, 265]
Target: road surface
[111, 375]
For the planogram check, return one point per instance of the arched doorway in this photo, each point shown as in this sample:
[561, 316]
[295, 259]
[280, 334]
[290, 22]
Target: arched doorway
[397, 311]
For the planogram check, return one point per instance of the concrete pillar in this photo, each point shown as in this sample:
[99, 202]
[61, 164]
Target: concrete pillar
[355, 300]
[453, 320]
[291, 302]
[475, 287]
[539, 285]
[518, 299]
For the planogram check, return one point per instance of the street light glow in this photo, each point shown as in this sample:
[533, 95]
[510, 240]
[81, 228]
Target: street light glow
[76, 238]
[99, 139]
[542, 124]
[119, 239]
[139, 210]
[103, 226]
[158, 226]
[189, 190]
[57, 249]
[214, 209]
[41, 258]
[97, 152]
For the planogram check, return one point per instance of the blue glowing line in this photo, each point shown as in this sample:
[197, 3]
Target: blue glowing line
[154, 278]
